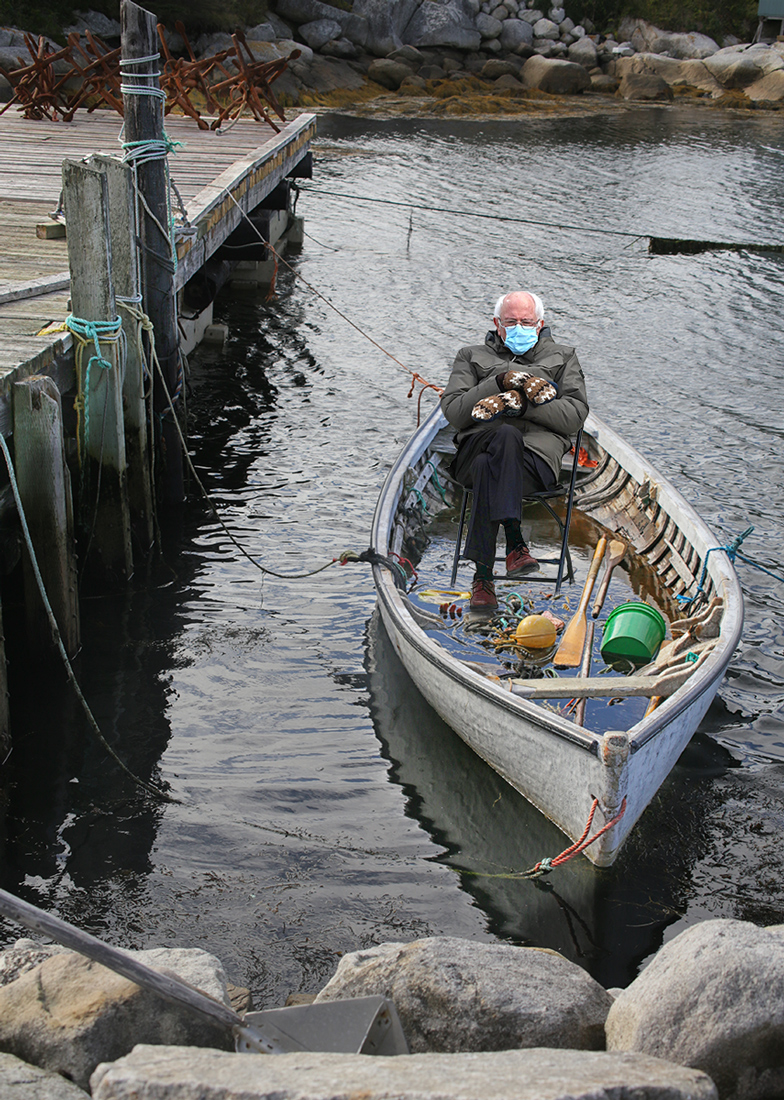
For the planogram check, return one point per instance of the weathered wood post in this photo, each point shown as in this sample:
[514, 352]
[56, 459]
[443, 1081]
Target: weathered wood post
[122, 225]
[145, 149]
[45, 492]
[104, 513]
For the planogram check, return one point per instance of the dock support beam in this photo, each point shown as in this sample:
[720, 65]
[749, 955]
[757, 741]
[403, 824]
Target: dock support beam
[122, 225]
[103, 504]
[144, 129]
[45, 492]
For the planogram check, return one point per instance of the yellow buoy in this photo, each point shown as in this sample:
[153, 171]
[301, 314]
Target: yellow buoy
[535, 632]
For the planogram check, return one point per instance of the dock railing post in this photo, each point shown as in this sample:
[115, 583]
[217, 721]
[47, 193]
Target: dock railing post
[122, 226]
[45, 492]
[103, 496]
[146, 149]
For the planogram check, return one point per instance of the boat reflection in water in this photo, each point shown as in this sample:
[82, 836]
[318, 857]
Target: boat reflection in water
[606, 920]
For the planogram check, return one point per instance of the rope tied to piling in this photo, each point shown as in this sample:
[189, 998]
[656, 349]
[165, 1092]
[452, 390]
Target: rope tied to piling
[86, 333]
[136, 153]
[141, 89]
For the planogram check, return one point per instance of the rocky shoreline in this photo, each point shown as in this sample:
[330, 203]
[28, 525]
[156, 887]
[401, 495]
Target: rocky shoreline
[467, 58]
[703, 1021]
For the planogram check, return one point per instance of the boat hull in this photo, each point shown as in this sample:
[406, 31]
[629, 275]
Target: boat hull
[559, 767]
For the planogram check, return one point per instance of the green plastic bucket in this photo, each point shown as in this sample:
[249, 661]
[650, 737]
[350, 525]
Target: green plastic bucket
[633, 632]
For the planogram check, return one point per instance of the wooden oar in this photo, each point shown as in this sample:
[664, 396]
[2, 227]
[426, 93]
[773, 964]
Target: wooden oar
[570, 651]
[617, 551]
[585, 672]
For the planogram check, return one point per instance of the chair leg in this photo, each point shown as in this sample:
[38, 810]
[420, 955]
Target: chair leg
[459, 542]
[564, 556]
[568, 520]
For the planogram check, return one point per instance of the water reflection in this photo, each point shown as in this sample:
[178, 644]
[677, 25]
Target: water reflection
[605, 920]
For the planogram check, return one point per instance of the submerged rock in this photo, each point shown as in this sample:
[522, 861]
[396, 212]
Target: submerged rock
[457, 995]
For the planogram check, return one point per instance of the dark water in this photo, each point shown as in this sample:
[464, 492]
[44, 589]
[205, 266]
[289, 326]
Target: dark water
[323, 806]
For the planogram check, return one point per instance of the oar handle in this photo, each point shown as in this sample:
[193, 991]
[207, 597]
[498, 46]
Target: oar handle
[598, 554]
[599, 601]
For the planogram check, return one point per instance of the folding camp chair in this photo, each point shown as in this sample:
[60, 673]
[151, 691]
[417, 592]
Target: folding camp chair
[564, 559]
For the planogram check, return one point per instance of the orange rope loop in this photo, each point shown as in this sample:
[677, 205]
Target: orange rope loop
[583, 842]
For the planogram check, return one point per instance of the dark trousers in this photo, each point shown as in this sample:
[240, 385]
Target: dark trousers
[498, 468]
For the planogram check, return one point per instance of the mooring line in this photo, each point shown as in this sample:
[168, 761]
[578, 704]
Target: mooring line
[415, 375]
[476, 214]
[155, 791]
[347, 556]
[657, 246]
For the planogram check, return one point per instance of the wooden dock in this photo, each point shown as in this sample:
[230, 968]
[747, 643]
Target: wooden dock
[215, 173]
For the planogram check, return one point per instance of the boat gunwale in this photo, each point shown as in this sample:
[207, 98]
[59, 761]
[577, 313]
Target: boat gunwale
[710, 672]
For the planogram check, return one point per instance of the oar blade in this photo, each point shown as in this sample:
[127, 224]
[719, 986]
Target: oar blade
[570, 651]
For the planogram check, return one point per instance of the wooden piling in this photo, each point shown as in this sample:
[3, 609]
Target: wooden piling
[45, 492]
[103, 505]
[144, 123]
[122, 226]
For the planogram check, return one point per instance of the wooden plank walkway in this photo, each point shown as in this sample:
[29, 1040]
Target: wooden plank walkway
[246, 162]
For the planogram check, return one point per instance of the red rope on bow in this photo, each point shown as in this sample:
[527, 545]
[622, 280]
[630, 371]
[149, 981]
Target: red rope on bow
[582, 842]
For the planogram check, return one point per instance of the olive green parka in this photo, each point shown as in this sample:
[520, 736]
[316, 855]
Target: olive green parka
[548, 429]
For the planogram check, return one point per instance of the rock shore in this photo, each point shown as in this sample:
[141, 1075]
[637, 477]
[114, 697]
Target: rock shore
[468, 57]
[703, 1021]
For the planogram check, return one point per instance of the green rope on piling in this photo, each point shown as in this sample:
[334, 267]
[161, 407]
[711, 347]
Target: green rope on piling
[94, 332]
[142, 152]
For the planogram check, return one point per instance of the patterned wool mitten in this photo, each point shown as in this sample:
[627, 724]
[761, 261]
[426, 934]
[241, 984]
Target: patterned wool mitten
[500, 404]
[538, 391]
[513, 379]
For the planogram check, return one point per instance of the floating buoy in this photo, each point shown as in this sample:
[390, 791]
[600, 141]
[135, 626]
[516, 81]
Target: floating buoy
[536, 632]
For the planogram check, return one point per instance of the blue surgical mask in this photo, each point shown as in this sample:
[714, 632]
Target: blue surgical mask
[521, 338]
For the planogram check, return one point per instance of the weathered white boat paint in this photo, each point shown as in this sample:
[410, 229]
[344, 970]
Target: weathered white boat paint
[557, 766]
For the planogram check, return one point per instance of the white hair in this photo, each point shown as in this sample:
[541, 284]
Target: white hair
[538, 304]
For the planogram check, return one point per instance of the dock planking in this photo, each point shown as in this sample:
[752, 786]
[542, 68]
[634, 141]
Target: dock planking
[212, 171]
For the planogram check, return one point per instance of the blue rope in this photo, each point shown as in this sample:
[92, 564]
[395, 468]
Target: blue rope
[94, 331]
[732, 553]
[143, 152]
[435, 480]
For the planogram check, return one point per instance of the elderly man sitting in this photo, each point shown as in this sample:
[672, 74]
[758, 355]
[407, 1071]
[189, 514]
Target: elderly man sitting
[515, 400]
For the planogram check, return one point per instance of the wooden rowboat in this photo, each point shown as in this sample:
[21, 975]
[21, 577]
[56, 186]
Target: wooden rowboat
[608, 770]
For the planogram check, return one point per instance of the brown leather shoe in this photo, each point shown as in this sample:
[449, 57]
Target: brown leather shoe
[520, 562]
[483, 595]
